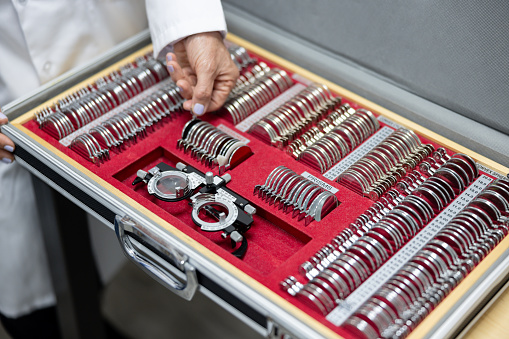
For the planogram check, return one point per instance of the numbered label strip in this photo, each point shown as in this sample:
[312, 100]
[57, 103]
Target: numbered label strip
[389, 122]
[319, 182]
[491, 172]
[355, 300]
[358, 153]
[301, 79]
[232, 133]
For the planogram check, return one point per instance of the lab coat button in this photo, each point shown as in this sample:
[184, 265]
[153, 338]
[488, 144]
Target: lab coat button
[46, 66]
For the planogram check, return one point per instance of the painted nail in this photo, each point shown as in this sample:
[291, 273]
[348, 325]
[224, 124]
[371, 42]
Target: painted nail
[170, 69]
[8, 148]
[6, 160]
[168, 57]
[3, 116]
[198, 109]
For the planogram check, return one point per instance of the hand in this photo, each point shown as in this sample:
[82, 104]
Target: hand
[6, 144]
[202, 67]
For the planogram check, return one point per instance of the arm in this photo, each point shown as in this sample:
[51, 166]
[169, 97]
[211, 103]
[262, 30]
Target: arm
[190, 33]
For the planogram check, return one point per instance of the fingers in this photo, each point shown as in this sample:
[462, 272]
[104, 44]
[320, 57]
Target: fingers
[174, 68]
[215, 71]
[201, 66]
[186, 89]
[3, 119]
[6, 157]
[197, 87]
[203, 90]
[184, 77]
[6, 144]
[223, 86]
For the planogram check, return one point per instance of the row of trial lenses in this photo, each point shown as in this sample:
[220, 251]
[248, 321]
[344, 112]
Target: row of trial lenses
[295, 116]
[335, 145]
[342, 272]
[240, 56]
[363, 222]
[387, 203]
[392, 150]
[339, 114]
[257, 94]
[347, 237]
[409, 296]
[436, 192]
[249, 76]
[400, 171]
[74, 112]
[74, 96]
[404, 177]
[293, 193]
[212, 146]
[249, 68]
[126, 127]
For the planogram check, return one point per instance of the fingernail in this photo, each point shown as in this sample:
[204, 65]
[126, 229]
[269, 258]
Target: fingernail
[8, 148]
[168, 57]
[6, 160]
[170, 69]
[180, 89]
[3, 116]
[198, 109]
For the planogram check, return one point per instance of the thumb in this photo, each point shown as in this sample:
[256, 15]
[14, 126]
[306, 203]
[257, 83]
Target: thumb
[202, 92]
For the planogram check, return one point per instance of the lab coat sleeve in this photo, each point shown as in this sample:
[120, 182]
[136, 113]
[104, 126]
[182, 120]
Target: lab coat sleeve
[173, 20]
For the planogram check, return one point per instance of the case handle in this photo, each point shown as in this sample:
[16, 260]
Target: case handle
[186, 290]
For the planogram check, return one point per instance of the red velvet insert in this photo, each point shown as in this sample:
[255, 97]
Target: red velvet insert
[278, 244]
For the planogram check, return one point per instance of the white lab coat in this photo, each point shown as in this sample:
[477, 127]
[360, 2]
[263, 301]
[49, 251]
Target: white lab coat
[39, 40]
